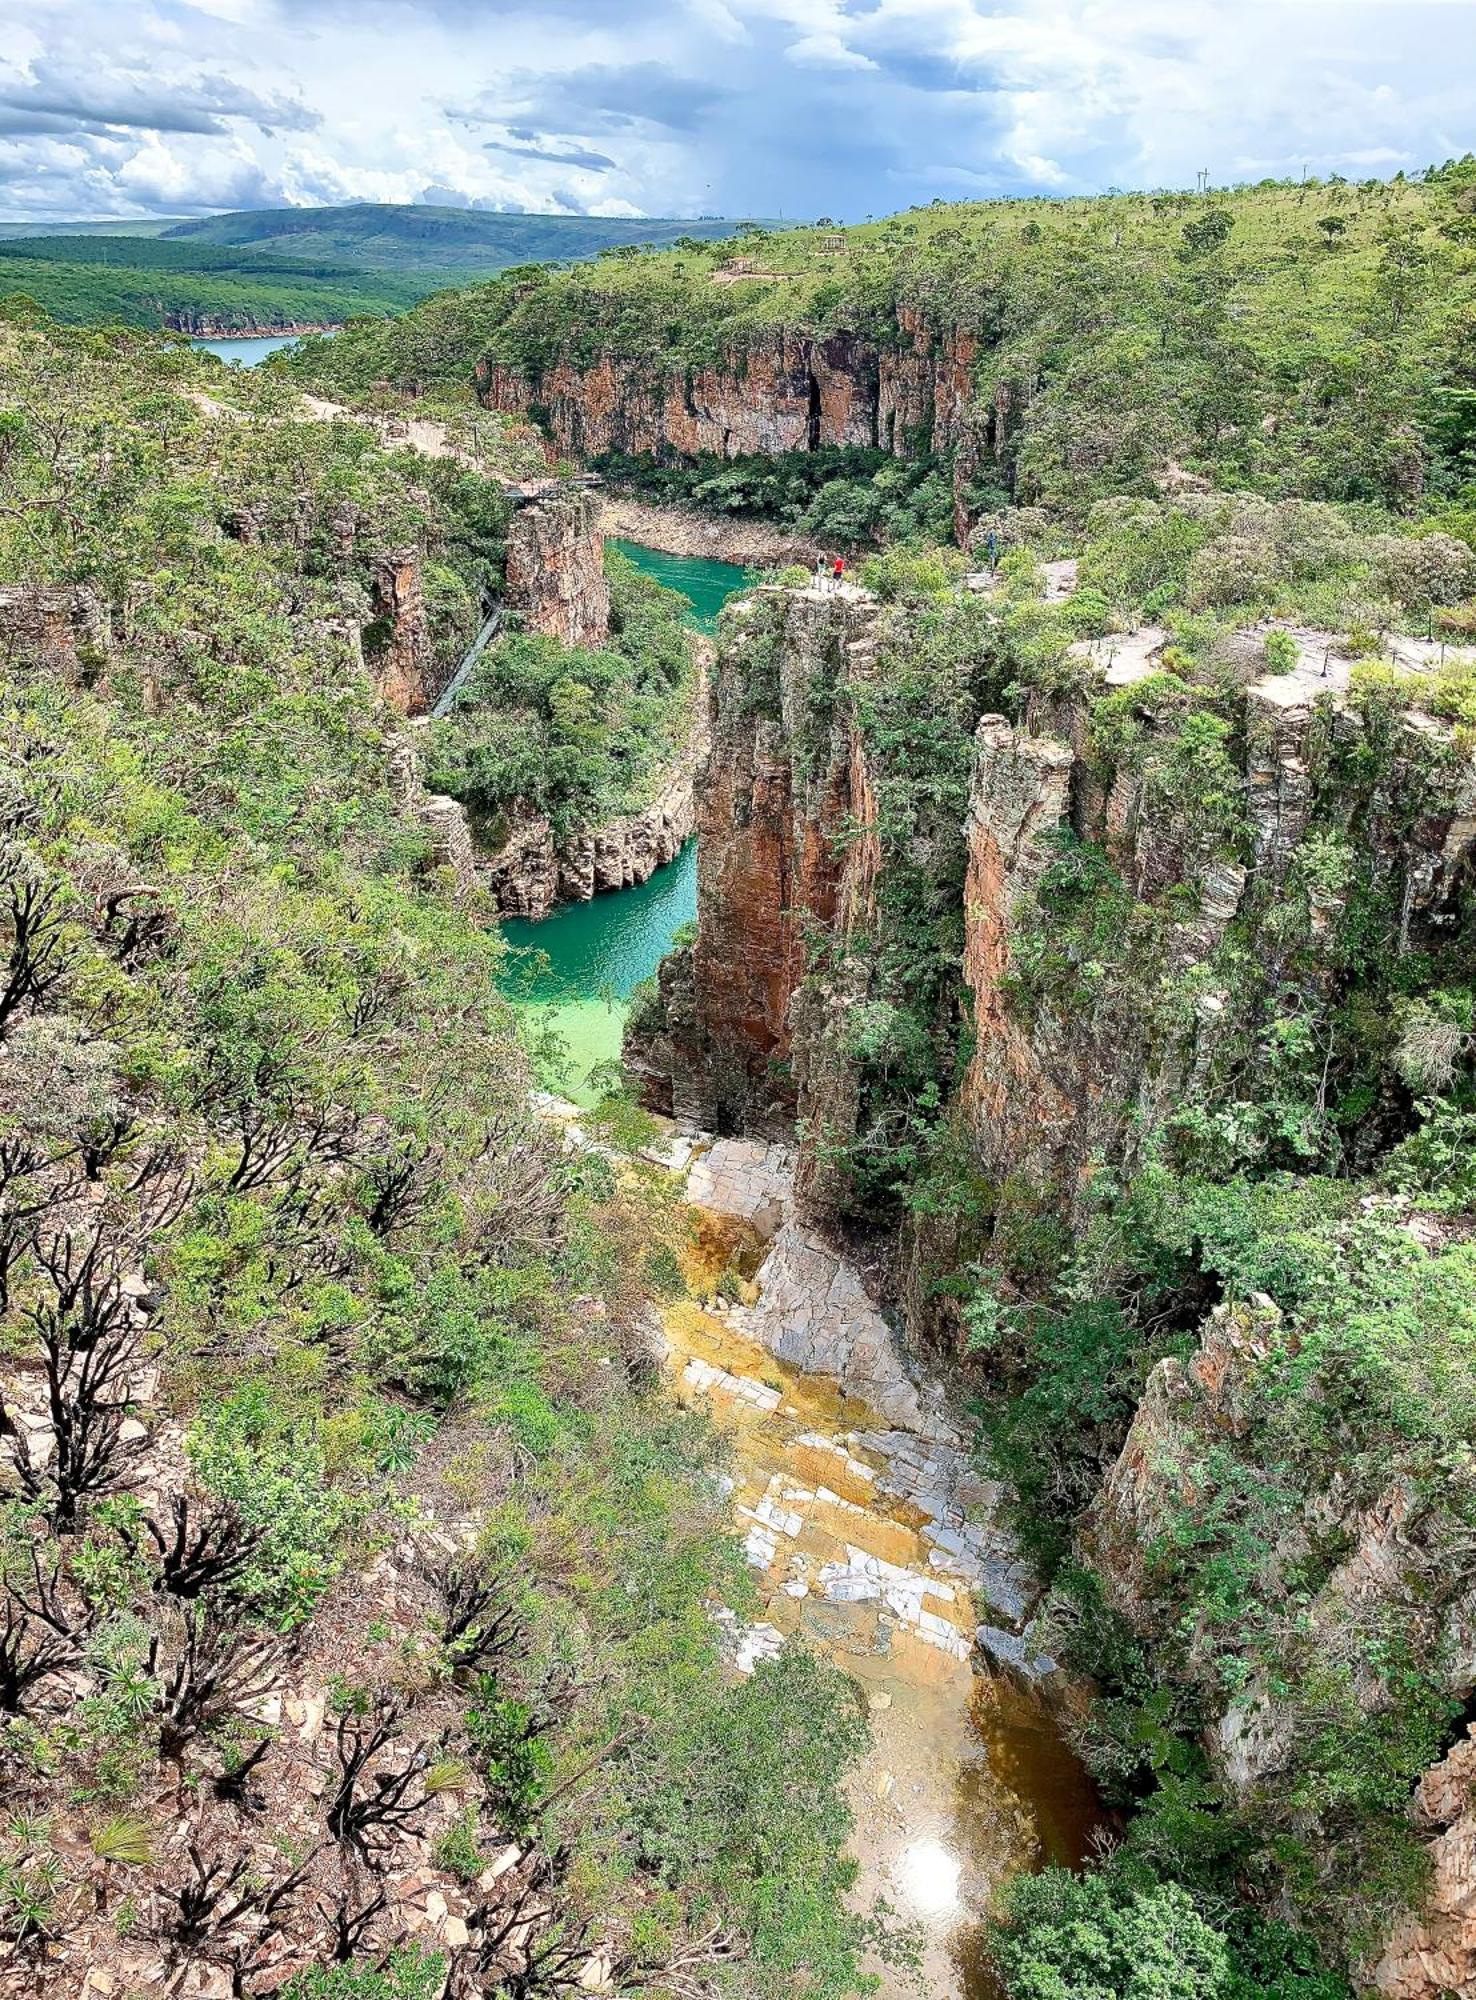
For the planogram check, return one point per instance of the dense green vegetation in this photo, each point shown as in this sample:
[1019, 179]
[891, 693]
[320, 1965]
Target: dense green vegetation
[580, 735]
[1311, 339]
[152, 282]
[845, 496]
[293, 267]
[347, 1393]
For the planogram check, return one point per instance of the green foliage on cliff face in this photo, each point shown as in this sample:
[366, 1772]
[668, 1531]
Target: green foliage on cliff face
[580, 735]
[1227, 333]
[278, 1216]
[1122, 1935]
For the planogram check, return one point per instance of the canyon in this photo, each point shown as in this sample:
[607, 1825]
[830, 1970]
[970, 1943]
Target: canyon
[765, 1026]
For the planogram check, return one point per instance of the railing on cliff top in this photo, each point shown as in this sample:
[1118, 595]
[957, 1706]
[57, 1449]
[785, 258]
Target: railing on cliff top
[492, 625]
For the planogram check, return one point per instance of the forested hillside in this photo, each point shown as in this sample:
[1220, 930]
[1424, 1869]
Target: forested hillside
[1313, 340]
[150, 282]
[296, 267]
[354, 1578]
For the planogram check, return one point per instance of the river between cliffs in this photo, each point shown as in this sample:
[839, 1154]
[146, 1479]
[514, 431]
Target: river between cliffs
[867, 1528]
[580, 965]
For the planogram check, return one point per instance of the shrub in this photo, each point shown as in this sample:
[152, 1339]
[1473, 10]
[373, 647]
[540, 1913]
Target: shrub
[1281, 653]
[1069, 1937]
[1423, 570]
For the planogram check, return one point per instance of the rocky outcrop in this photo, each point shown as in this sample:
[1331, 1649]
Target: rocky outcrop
[1021, 798]
[61, 628]
[398, 649]
[1396, 1574]
[532, 872]
[1060, 1080]
[783, 839]
[1433, 1954]
[444, 821]
[556, 580]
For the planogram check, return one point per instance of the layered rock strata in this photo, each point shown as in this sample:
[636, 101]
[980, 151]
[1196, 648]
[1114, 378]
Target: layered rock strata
[556, 580]
[780, 391]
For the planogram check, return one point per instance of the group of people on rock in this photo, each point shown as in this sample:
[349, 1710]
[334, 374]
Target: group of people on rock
[832, 578]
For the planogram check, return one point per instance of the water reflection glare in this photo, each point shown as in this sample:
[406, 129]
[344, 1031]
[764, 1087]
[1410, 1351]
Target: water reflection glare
[927, 1875]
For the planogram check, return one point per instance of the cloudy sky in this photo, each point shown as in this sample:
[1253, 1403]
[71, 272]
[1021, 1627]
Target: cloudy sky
[684, 107]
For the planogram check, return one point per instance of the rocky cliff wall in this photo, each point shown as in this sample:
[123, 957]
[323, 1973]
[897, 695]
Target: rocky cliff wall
[556, 581]
[1221, 911]
[1393, 1571]
[398, 647]
[783, 841]
[780, 392]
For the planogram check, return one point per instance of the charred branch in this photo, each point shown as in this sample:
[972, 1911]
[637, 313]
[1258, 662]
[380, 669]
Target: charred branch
[371, 1809]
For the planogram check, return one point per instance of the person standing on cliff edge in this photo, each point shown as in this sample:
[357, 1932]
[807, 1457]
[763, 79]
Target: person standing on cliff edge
[838, 574]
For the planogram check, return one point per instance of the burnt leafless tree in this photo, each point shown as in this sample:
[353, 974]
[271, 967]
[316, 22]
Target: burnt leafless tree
[137, 926]
[481, 1626]
[349, 1923]
[31, 1188]
[232, 1785]
[520, 1945]
[89, 1351]
[40, 955]
[217, 1895]
[38, 1633]
[201, 1546]
[373, 999]
[104, 1139]
[160, 1185]
[219, 1670]
[398, 1187]
[371, 1809]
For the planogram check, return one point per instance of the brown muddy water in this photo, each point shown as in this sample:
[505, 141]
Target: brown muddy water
[967, 1780]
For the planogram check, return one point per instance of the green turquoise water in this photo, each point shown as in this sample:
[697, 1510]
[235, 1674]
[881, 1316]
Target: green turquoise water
[249, 352]
[579, 966]
[707, 586]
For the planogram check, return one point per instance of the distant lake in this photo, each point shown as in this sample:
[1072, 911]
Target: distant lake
[247, 353]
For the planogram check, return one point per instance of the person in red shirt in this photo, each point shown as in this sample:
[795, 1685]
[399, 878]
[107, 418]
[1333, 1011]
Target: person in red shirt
[838, 574]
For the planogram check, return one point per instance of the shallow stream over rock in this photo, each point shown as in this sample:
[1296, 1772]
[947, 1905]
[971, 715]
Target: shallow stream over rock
[872, 1537]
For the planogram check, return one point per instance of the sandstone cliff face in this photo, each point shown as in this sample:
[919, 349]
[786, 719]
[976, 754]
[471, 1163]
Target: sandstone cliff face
[781, 392]
[1052, 1086]
[398, 649]
[556, 567]
[1434, 1953]
[783, 841]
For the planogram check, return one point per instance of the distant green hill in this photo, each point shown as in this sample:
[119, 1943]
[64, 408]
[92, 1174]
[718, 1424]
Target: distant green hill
[271, 268]
[194, 288]
[416, 237]
[153, 226]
